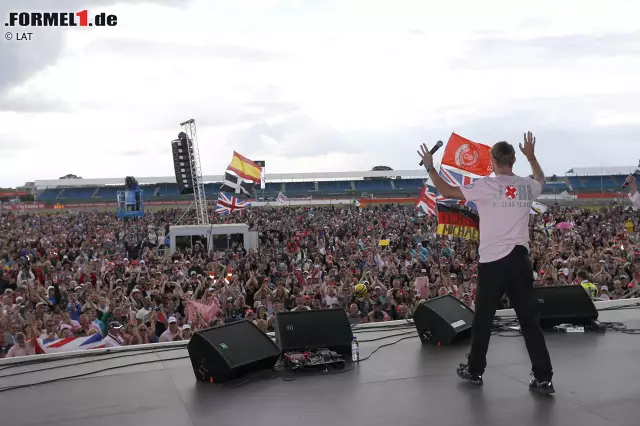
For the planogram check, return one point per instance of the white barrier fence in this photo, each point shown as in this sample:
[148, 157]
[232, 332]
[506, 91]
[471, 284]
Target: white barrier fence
[182, 344]
[309, 202]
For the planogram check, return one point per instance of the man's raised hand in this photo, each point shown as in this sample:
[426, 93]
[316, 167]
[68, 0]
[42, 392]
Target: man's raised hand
[529, 146]
[425, 155]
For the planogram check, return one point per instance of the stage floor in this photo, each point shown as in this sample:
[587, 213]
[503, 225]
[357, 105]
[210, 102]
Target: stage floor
[596, 377]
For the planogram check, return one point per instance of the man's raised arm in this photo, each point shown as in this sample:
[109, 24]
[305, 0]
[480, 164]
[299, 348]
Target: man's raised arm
[447, 191]
[529, 151]
[633, 192]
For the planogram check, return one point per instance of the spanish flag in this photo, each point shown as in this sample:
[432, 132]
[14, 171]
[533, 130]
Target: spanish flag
[245, 168]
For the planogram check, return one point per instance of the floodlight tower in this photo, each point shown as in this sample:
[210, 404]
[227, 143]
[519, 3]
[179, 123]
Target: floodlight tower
[199, 196]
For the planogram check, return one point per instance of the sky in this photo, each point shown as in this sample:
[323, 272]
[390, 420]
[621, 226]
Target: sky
[311, 85]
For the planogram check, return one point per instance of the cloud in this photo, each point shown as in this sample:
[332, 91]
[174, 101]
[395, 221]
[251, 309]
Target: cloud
[175, 51]
[21, 60]
[12, 144]
[553, 51]
[30, 103]
[131, 152]
[318, 86]
[294, 136]
[246, 113]
[568, 135]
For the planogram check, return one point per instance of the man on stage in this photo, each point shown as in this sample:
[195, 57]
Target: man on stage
[633, 192]
[503, 203]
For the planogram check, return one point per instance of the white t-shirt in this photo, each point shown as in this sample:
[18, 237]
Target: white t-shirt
[330, 301]
[112, 341]
[16, 351]
[152, 237]
[635, 200]
[142, 314]
[504, 203]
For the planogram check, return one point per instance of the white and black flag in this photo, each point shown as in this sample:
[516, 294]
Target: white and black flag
[236, 185]
[262, 165]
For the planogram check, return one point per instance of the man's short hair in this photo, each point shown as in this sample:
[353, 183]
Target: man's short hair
[504, 154]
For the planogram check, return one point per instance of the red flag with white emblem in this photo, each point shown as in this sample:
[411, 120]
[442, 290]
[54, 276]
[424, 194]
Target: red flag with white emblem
[466, 155]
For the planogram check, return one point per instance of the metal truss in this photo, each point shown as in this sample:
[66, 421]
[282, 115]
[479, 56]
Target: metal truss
[199, 196]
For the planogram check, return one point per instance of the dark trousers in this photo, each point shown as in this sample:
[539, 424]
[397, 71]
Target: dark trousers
[512, 275]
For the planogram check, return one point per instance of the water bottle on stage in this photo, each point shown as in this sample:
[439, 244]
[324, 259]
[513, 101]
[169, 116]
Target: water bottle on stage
[355, 349]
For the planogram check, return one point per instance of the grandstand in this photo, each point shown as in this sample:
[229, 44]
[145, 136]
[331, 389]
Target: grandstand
[398, 183]
[402, 183]
[597, 179]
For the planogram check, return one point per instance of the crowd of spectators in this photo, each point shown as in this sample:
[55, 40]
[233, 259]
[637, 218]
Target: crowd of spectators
[77, 274]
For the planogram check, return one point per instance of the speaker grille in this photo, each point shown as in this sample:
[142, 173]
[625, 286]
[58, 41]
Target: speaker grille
[444, 320]
[232, 350]
[564, 304]
[451, 310]
[182, 166]
[236, 345]
[325, 328]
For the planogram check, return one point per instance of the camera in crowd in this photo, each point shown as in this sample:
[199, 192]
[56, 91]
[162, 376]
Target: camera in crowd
[131, 183]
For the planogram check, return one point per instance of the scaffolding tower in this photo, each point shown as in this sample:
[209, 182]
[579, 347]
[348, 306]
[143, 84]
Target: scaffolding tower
[199, 196]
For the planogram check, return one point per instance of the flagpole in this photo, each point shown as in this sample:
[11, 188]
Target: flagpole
[177, 223]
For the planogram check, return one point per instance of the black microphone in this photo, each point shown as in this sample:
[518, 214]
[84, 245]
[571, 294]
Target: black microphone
[634, 174]
[436, 147]
[626, 182]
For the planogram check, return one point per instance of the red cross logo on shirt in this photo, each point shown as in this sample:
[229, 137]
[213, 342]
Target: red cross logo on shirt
[511, 192]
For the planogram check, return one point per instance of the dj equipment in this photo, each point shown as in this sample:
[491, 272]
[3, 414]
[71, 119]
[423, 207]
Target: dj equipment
[443, 321]
[318, 358]
[315, 329]
[433, 150]
[564, 305]
[222, 353]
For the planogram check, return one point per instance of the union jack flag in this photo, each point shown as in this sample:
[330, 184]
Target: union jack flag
[49, 346]
[455, 178]
[228, 204]
[282, 198]
[427, 200]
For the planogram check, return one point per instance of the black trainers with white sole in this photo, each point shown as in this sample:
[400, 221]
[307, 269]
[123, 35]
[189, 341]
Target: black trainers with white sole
[543, 387]
[465, 374]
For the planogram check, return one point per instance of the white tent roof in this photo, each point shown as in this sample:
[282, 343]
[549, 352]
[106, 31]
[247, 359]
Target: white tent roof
[597, 171]
[269, 177]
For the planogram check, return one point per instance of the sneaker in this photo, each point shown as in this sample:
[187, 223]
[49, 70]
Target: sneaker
[465, 374]
[545, 388]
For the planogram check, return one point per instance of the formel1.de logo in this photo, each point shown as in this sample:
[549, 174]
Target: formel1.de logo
[61, 19]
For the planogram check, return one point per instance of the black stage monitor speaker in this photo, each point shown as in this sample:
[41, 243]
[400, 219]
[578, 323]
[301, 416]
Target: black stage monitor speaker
[443, 321]
[223, 353]
[324, 328]
[564, 305]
